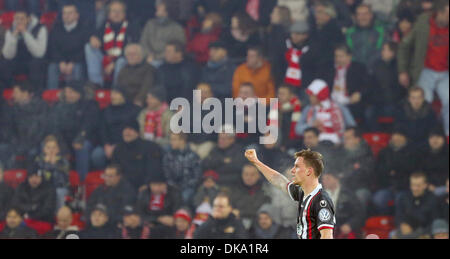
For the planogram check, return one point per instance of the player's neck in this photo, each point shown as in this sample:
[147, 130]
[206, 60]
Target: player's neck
[310, 187]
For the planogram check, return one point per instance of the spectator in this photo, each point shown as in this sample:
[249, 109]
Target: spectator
[264, 226]
[326, 148]
[275, 156]
[202, 143]
[247, 195]
[324, 114]
[415, 209]
[285, 115]
[209, 33]
[158, 202]
[240, 36]
[141, 10]
[412, 114]
[222, 224]
[99, 226]
[384, 10]
[352, 213]
[180, 10]
[66, 47]
[154, 120]
[184, 228]
[104, 52]
[328, 35]
[112, 123]
[137, 77]
[298, 8]
[226, 159]
[24, 50]
[275, 40]
[55, 168]
[6, 194]
[27, 121]
[158, 32]
[404, 25]
[208, 190]
[76, 121]
[433, 161]
[177, 64]
[63, 228]
[218, 71]
[132, 226]
[257, 71]
[423, 57]
[385, 91]
[115, 193]
[351, 82]
[439, 229]
[36, 197]
[15, 227]
[394, 165]
[182, 167]
[366, 37]
[138, 158]
[356, 164]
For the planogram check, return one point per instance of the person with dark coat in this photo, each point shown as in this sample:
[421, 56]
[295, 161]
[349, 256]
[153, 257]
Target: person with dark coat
[222, 224]
[99, 226]
[132, 226]
[66, 47]
[226, 159]
[63, 228]
[219, 70]
[76, 121]
[247, 195]
[158, 202]
[15, 227]
[115, 193]
[415, 209]
[394, 165]
[28, 122]
[209, 189]
[412, 114]
[264, 226]
[6, 194]
[350, 213]
[138, 158]
[187, 72]
[36, 197]
[433, 158]
[112, 122]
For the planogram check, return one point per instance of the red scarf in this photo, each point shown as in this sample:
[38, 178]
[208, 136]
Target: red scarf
[113, 44]
[296, 107]
[294, 71]
[144, 235]
[156, 202]
[153, 126]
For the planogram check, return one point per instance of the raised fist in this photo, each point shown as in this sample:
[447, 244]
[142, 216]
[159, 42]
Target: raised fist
[250, 154]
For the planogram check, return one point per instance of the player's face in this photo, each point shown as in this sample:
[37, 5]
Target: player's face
[299, 171]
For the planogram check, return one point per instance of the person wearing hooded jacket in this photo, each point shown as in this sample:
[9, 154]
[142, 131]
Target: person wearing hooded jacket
[265, 227]
[323, 113]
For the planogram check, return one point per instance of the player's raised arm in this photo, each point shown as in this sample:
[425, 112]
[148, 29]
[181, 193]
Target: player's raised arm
[271, 175]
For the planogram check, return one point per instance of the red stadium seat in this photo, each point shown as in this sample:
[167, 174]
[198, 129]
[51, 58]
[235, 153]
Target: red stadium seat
[76, 220]
[103, 98]
[8, 95]
[74, 179]
[7, 19]
[92, 181]
[386, 120]
[41, 227]
[377, 141]
[15, 177]
[48, 19]
[380, 226]
[51, 96]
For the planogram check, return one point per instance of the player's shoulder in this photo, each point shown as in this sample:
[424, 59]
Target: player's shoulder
[323, 199]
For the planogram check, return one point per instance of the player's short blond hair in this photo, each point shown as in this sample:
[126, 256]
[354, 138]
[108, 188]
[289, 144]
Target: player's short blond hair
[312, 159]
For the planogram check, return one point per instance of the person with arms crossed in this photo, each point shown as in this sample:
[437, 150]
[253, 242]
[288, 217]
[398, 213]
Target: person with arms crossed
[316, 217]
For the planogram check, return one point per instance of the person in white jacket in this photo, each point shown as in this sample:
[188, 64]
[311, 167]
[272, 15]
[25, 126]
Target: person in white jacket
[24, 50]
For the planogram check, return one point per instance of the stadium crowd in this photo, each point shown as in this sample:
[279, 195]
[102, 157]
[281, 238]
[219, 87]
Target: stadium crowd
[85, 141]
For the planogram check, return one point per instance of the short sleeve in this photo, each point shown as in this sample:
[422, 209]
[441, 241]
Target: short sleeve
[293, 191]
[325, 214]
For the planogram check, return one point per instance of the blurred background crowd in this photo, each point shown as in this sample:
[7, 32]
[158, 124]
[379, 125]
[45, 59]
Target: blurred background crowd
[85, 140]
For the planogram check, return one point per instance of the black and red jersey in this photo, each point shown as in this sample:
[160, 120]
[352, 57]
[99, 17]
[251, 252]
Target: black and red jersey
[315, 211]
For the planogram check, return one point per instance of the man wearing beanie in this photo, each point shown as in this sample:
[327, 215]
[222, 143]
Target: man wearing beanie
[158, 202]
[138, 158]
[323, 113]
[183, 227]
[76, 121]
[112, 123]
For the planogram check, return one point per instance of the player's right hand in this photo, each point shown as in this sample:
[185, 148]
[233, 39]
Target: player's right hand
[250, 154]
